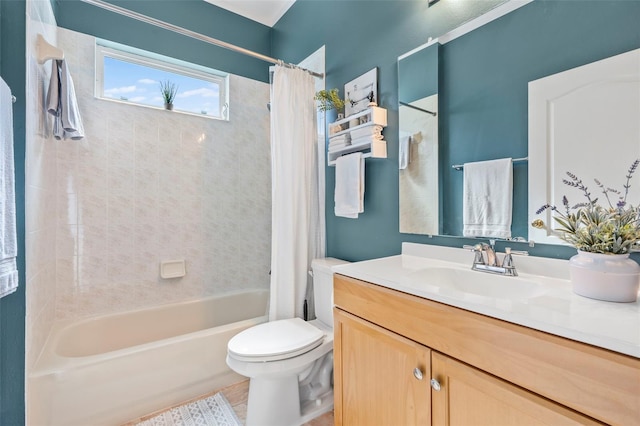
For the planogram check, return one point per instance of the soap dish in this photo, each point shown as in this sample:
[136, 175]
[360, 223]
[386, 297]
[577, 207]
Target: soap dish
[172, 269]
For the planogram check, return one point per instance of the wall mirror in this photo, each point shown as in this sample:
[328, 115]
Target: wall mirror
[499, 94]
[418, 140]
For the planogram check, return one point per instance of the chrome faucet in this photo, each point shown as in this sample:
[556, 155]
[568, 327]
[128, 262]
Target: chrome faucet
[486, 260]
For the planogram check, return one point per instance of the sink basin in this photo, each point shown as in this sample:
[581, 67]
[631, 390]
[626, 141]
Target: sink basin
[478, 283]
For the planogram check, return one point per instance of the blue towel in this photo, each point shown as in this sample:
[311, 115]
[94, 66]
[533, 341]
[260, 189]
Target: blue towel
[62, 103]
[8, 238]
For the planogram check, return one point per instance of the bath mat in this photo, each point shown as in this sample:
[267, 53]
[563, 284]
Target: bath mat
[212, 411]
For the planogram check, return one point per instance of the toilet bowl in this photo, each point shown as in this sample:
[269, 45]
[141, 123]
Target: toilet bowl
[290, 362]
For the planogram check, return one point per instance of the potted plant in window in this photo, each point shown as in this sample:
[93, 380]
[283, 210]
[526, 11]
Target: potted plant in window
[168, 89]
[604, 236]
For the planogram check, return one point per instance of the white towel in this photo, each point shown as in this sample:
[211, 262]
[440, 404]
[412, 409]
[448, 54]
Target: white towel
[366, 140]
[488, 198]
[366, 131]
[349, 191]
[62, 103]
[339, 143]
[8, 237]
[338, 147]
[340, 138]
[404, 151]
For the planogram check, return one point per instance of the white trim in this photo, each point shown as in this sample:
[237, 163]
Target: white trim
[471, 25]
[483, 19]
[419, 48]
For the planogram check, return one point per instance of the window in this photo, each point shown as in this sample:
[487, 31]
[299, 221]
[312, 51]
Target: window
[133, 76]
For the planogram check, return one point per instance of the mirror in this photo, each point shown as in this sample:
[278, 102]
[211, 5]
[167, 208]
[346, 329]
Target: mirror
[418, 140]
[481, 74]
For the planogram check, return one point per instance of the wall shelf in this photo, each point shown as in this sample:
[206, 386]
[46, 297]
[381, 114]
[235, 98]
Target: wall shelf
[376, 148]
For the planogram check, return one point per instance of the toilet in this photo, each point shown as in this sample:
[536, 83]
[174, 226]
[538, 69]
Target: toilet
[290, 362]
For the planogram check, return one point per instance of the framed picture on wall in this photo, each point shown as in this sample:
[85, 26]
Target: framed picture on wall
[360, 92]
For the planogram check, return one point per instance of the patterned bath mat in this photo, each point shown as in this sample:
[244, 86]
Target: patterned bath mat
[212, 411]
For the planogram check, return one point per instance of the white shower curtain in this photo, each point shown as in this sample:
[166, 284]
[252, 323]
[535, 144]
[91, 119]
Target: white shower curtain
[297, 194]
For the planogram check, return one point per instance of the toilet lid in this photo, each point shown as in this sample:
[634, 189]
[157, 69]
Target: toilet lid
[275, 340]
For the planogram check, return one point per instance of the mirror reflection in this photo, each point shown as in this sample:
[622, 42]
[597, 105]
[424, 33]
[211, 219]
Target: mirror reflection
[418, 141]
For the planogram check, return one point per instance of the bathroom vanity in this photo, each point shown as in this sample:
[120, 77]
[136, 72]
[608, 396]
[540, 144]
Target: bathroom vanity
[416, 345]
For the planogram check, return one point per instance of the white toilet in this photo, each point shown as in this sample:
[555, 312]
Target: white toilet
[290, 362]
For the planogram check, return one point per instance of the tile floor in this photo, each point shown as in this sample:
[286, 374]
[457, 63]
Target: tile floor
[237, 394]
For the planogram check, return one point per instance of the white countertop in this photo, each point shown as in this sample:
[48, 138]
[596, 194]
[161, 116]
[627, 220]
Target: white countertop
[552, 308]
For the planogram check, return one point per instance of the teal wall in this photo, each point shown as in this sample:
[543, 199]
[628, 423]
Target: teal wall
[195, 15]
[482, 93]
[12, 307]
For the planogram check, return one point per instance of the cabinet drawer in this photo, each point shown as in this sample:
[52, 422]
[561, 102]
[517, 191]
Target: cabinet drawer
[599, 383]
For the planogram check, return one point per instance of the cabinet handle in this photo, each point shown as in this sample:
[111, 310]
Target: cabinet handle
[417, 373]
[435, 385]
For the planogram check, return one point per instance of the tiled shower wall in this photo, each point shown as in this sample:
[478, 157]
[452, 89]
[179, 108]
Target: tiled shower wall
[147, 185]
[40, 188]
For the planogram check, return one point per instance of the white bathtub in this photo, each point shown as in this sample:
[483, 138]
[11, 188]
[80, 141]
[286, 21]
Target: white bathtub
[111, 369]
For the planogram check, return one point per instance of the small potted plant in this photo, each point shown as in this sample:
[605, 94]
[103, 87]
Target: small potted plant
[604, 236]
[330, 99]
[168, 89]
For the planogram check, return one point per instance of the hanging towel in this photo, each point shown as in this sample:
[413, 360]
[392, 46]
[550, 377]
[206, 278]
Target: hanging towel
[404, 151]
[349, 191]
[62, 103]
[8, 238]
[488, 198]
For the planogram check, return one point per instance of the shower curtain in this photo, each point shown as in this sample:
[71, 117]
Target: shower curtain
[297, 222]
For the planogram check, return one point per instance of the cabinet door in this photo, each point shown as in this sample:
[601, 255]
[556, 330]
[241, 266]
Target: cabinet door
[470, 397]
[375, 378]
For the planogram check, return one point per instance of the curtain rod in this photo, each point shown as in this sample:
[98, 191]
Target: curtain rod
[180, 30]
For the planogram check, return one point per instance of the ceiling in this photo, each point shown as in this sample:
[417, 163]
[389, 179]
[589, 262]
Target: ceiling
[266, 12]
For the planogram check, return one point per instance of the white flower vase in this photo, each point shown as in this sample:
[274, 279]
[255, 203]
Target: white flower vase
[609, 277]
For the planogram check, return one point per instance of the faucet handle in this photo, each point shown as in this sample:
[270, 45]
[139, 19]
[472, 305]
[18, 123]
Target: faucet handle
[477, 249]
[507, 261]
[508, 250]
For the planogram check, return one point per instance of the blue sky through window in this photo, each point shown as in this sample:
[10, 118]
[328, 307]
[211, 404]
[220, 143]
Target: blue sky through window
[141, 84]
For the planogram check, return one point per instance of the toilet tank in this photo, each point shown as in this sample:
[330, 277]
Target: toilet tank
[323, 287]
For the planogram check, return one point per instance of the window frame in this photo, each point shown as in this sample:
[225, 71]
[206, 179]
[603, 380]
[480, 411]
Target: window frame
[163, 63]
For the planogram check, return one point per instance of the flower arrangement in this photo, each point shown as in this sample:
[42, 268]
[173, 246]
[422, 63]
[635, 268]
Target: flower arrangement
[168, 90]
[329, 99]
[594, 228]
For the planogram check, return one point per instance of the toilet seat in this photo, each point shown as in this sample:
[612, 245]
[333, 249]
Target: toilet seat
[275, 340]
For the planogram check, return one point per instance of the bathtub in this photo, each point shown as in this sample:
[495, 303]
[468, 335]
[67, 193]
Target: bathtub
[111, 369]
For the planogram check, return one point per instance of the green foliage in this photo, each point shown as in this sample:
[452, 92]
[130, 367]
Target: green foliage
[168, 89]
[593, 228]
[329, 99]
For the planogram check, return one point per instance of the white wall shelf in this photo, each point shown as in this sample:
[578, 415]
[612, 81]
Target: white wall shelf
[372, 116]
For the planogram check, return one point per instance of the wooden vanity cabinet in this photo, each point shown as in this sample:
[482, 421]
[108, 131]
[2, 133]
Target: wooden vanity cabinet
[378, 385]
[488, 372]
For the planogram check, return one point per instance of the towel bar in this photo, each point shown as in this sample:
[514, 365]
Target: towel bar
[515, 160]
